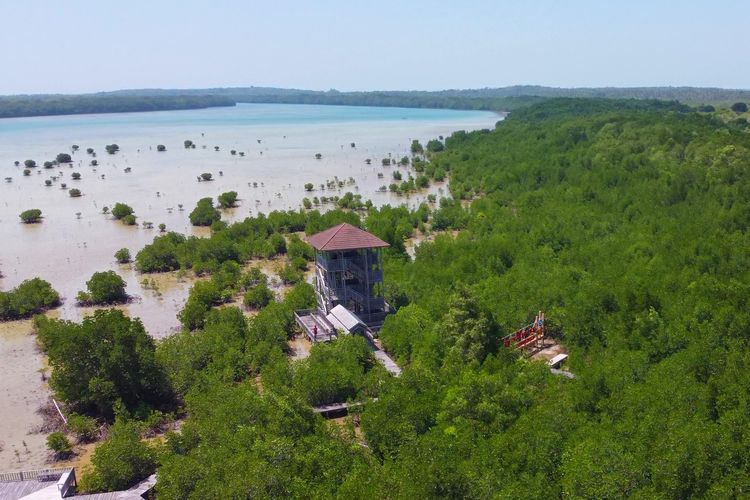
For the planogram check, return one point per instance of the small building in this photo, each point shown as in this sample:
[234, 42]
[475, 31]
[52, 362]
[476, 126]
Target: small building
[344, 320]
[348, 283]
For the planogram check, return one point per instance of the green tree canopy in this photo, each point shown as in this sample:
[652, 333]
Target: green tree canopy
[228, 199]
[30, 297]
[204, 213]
[104, 362]
[31, 216]
[121, 210]
[121, 461]
[104, 288]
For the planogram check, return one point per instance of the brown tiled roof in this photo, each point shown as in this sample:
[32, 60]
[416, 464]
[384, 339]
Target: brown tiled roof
[345, 237]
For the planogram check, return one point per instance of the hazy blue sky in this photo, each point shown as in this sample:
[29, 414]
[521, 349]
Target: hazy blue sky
[82, 46]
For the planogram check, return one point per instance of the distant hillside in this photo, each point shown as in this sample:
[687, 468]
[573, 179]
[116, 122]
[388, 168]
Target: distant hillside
[494, 99]
[683, 94]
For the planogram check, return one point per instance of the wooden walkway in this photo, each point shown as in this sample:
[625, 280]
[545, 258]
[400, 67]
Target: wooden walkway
[43, 485]
[135, 492]
[39, 484]
[308, 320]
[14, 490]
[382, 356]
[336, 409]
[562, 373]
[310, 317]
[387, 362]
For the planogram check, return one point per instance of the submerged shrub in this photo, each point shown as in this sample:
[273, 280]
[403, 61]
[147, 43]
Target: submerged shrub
[121, 210]
[31, 216]
[122, 256]
[104, 288]
[204, 213]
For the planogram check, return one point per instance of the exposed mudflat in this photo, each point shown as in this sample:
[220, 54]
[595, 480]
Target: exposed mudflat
[22, 392]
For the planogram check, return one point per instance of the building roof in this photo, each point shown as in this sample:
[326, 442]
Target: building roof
[345, 237]
[343, 319]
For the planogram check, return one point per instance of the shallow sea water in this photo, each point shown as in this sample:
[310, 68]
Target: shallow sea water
[75, 239]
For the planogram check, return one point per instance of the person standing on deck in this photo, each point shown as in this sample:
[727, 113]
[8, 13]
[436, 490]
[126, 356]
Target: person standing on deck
[315, 331]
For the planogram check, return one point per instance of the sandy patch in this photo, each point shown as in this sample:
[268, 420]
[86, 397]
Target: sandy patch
[549, 350]
[81, 458]
[419, 237]
[299, 347]
[22, 392]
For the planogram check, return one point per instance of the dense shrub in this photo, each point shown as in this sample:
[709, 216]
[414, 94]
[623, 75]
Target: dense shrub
[290, 275]
[31, 216]
[161, 255]
[435, 146]
[85, 428]
[122, 256]
[337, 371]
[30, 297]
[228, 199]
[255, 237]
[103, 363]
[58, 443]
[121, 461]
[258, 296]
[121, 210]
[204, 213]
[203, 296]
[104, 288]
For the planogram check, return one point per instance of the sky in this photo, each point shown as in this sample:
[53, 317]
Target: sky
[77, 46]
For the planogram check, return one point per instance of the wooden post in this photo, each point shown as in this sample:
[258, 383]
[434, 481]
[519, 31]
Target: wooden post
[59, 411]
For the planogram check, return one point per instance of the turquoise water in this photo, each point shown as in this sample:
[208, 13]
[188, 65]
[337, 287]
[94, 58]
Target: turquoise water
[241, 115]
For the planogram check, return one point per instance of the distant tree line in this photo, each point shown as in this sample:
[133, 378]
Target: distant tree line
[43, 105]
[490, 99]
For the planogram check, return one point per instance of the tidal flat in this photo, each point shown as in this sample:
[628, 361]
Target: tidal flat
[275, 147]
[279, 142]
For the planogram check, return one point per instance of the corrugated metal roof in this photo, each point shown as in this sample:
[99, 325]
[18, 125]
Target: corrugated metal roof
[345, 237]
[343, 317]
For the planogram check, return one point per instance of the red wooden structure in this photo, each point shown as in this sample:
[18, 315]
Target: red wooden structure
[528, 337]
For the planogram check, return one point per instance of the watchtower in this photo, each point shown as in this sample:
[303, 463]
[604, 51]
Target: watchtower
[349, 274]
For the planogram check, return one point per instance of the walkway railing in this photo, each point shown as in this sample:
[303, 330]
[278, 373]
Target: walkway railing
[33, 475]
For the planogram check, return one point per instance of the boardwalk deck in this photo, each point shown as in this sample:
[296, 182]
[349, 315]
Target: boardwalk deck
[13, 490]
[387, 362]
[308, 318]
[562, 373]
[338, 409]
[26, 486]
